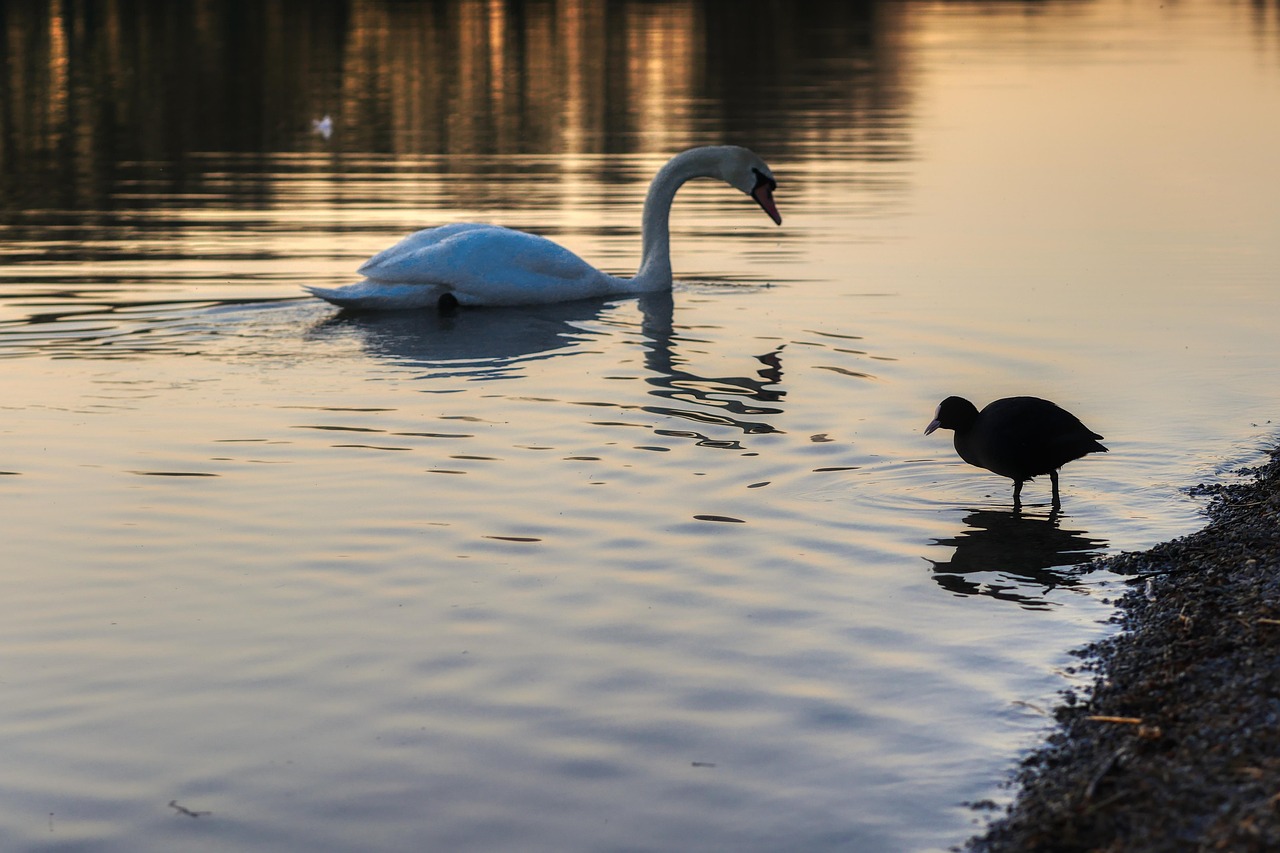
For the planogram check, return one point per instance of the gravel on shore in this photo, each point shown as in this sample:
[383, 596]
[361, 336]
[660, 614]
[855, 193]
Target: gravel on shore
[1176, 746]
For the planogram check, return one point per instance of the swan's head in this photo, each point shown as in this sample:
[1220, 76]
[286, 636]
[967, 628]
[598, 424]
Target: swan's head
[741, 168]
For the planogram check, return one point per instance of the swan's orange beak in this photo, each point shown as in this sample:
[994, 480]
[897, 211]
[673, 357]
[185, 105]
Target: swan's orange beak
[763, 194]
[764, 197]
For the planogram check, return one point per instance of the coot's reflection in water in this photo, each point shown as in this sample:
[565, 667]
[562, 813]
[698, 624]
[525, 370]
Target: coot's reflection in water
[1015, 556]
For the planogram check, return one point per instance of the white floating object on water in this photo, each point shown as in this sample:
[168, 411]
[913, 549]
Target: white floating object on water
[322, 126]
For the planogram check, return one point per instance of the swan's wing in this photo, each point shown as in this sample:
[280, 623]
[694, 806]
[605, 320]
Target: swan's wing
[398, 262]
[487, 265]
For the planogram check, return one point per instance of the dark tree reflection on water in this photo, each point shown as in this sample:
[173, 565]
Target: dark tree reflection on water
[90, 90]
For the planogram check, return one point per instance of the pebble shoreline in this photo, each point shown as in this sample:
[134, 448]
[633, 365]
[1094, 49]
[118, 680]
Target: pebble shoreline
[1176, 746]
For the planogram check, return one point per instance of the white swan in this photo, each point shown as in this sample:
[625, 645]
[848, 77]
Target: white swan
[473, 264]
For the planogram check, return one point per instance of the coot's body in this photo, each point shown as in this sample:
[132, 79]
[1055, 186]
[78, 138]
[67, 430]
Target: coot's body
[1017, 437]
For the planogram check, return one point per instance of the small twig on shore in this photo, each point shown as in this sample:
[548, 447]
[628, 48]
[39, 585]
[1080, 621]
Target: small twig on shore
[1097, 777]
[1142, 576]
[1114, 798]
[1128, 721]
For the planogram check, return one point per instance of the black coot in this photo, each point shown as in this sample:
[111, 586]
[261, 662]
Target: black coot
[1017, 437]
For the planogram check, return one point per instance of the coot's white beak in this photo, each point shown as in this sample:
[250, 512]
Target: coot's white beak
[933, 424]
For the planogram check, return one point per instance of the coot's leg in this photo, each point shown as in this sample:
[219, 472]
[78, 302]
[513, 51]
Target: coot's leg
[1053, 475]
[1017, 495]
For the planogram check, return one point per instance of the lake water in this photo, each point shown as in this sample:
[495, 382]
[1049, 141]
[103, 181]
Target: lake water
[665, 573]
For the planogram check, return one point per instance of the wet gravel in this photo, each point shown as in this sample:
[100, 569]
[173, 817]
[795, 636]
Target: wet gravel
[1176, 746]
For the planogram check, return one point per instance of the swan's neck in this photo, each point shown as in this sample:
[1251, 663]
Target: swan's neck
[655, 229]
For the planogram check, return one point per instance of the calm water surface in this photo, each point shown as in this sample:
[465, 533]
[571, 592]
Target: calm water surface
[664, 573]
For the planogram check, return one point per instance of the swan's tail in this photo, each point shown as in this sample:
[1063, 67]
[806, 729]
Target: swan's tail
[376, 296]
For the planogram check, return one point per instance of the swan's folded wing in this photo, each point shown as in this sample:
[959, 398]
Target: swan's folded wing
[489, 265]
[407, 260]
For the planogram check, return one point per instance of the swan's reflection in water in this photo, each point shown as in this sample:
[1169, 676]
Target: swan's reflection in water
[495, 343]
[1015, 556]
[723, 401]
[486, 344]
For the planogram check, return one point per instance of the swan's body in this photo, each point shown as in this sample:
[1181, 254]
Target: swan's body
[474, 264]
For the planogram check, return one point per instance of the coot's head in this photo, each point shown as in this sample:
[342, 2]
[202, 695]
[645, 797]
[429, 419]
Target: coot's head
[953, 413]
